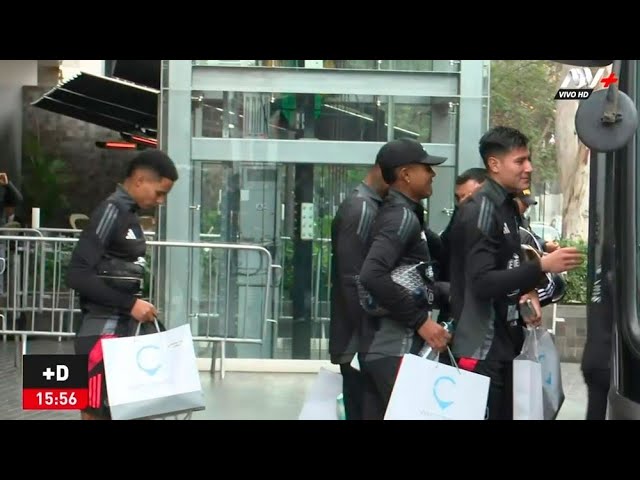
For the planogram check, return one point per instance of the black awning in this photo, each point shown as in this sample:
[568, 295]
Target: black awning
[141, 72]
[108, 102]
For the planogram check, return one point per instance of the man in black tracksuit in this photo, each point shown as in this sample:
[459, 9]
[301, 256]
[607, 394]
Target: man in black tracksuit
[397, 238]
[489, 276]
[10, 197]
[107, 268]
[553, 288]
[466, 184]
[349, 242]
[524, 200]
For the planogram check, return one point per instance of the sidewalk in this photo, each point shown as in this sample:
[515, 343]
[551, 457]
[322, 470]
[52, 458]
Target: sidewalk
[240, 396]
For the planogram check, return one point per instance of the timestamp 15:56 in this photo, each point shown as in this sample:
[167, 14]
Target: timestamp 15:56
[54, 399]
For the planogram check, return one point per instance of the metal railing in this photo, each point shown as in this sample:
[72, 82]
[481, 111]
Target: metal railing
[35, 286]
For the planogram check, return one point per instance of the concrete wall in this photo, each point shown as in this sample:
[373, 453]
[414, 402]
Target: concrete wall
[571, 334]
[18, 72]
[13, 75]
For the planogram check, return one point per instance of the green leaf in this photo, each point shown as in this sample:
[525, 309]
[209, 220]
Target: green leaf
[45, 178]
[522, 97]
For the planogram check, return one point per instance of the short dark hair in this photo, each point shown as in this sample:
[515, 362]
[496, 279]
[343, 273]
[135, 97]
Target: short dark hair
[500, 140]
[476, 173]
[155, 160]
[389, 174]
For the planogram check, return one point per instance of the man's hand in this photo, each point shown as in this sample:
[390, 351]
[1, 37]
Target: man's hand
[551, 246]
[143, 311]
[561, 260]
[534, 320]
[435, 335]
[4, 180]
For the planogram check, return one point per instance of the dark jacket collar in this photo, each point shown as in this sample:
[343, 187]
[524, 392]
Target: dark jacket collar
[364, 190]
[496, 192]
[394, 196]
[123, 197]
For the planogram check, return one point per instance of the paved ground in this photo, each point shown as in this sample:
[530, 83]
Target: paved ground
[240, 396]
[11, 384]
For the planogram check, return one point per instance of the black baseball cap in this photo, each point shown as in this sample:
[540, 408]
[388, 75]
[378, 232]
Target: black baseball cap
[527, 197]
[405, 151]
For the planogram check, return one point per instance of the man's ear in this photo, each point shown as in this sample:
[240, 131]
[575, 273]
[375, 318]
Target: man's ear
[493, 164]
[403, 173]
[140, 176]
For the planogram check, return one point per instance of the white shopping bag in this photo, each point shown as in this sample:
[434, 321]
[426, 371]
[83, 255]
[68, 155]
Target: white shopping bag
[527, 381]
[552, 391]
[427, 390]
[152, 375]
[321, 400]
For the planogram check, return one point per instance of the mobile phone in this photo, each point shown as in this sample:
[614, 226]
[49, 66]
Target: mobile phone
[527, 310]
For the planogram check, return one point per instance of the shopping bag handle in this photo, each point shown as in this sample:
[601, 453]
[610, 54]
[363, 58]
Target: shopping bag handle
[155, 322]
[453, 360]
[534, 342]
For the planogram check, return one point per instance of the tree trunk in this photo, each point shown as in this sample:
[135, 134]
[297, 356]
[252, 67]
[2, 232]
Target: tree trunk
[573, 163]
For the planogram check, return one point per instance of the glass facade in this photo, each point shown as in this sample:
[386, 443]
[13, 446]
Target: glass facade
[393, 65]
[265, 157]
[336, 117]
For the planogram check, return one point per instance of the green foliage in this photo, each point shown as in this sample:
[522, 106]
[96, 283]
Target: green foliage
[322, 251]
[577, 278]
[413, 118]
[522, 97]
[210, 222]
[323, 226]
[57, 264]
[45, 179]
[396, 65]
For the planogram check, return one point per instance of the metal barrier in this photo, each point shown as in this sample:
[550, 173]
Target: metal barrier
[35, 267]
[25, 253]
[213, 287]
[320, 279]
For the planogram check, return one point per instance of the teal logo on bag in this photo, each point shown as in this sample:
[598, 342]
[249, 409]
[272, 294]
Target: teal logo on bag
[442, 403]
[549, 379]
[148, 359]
